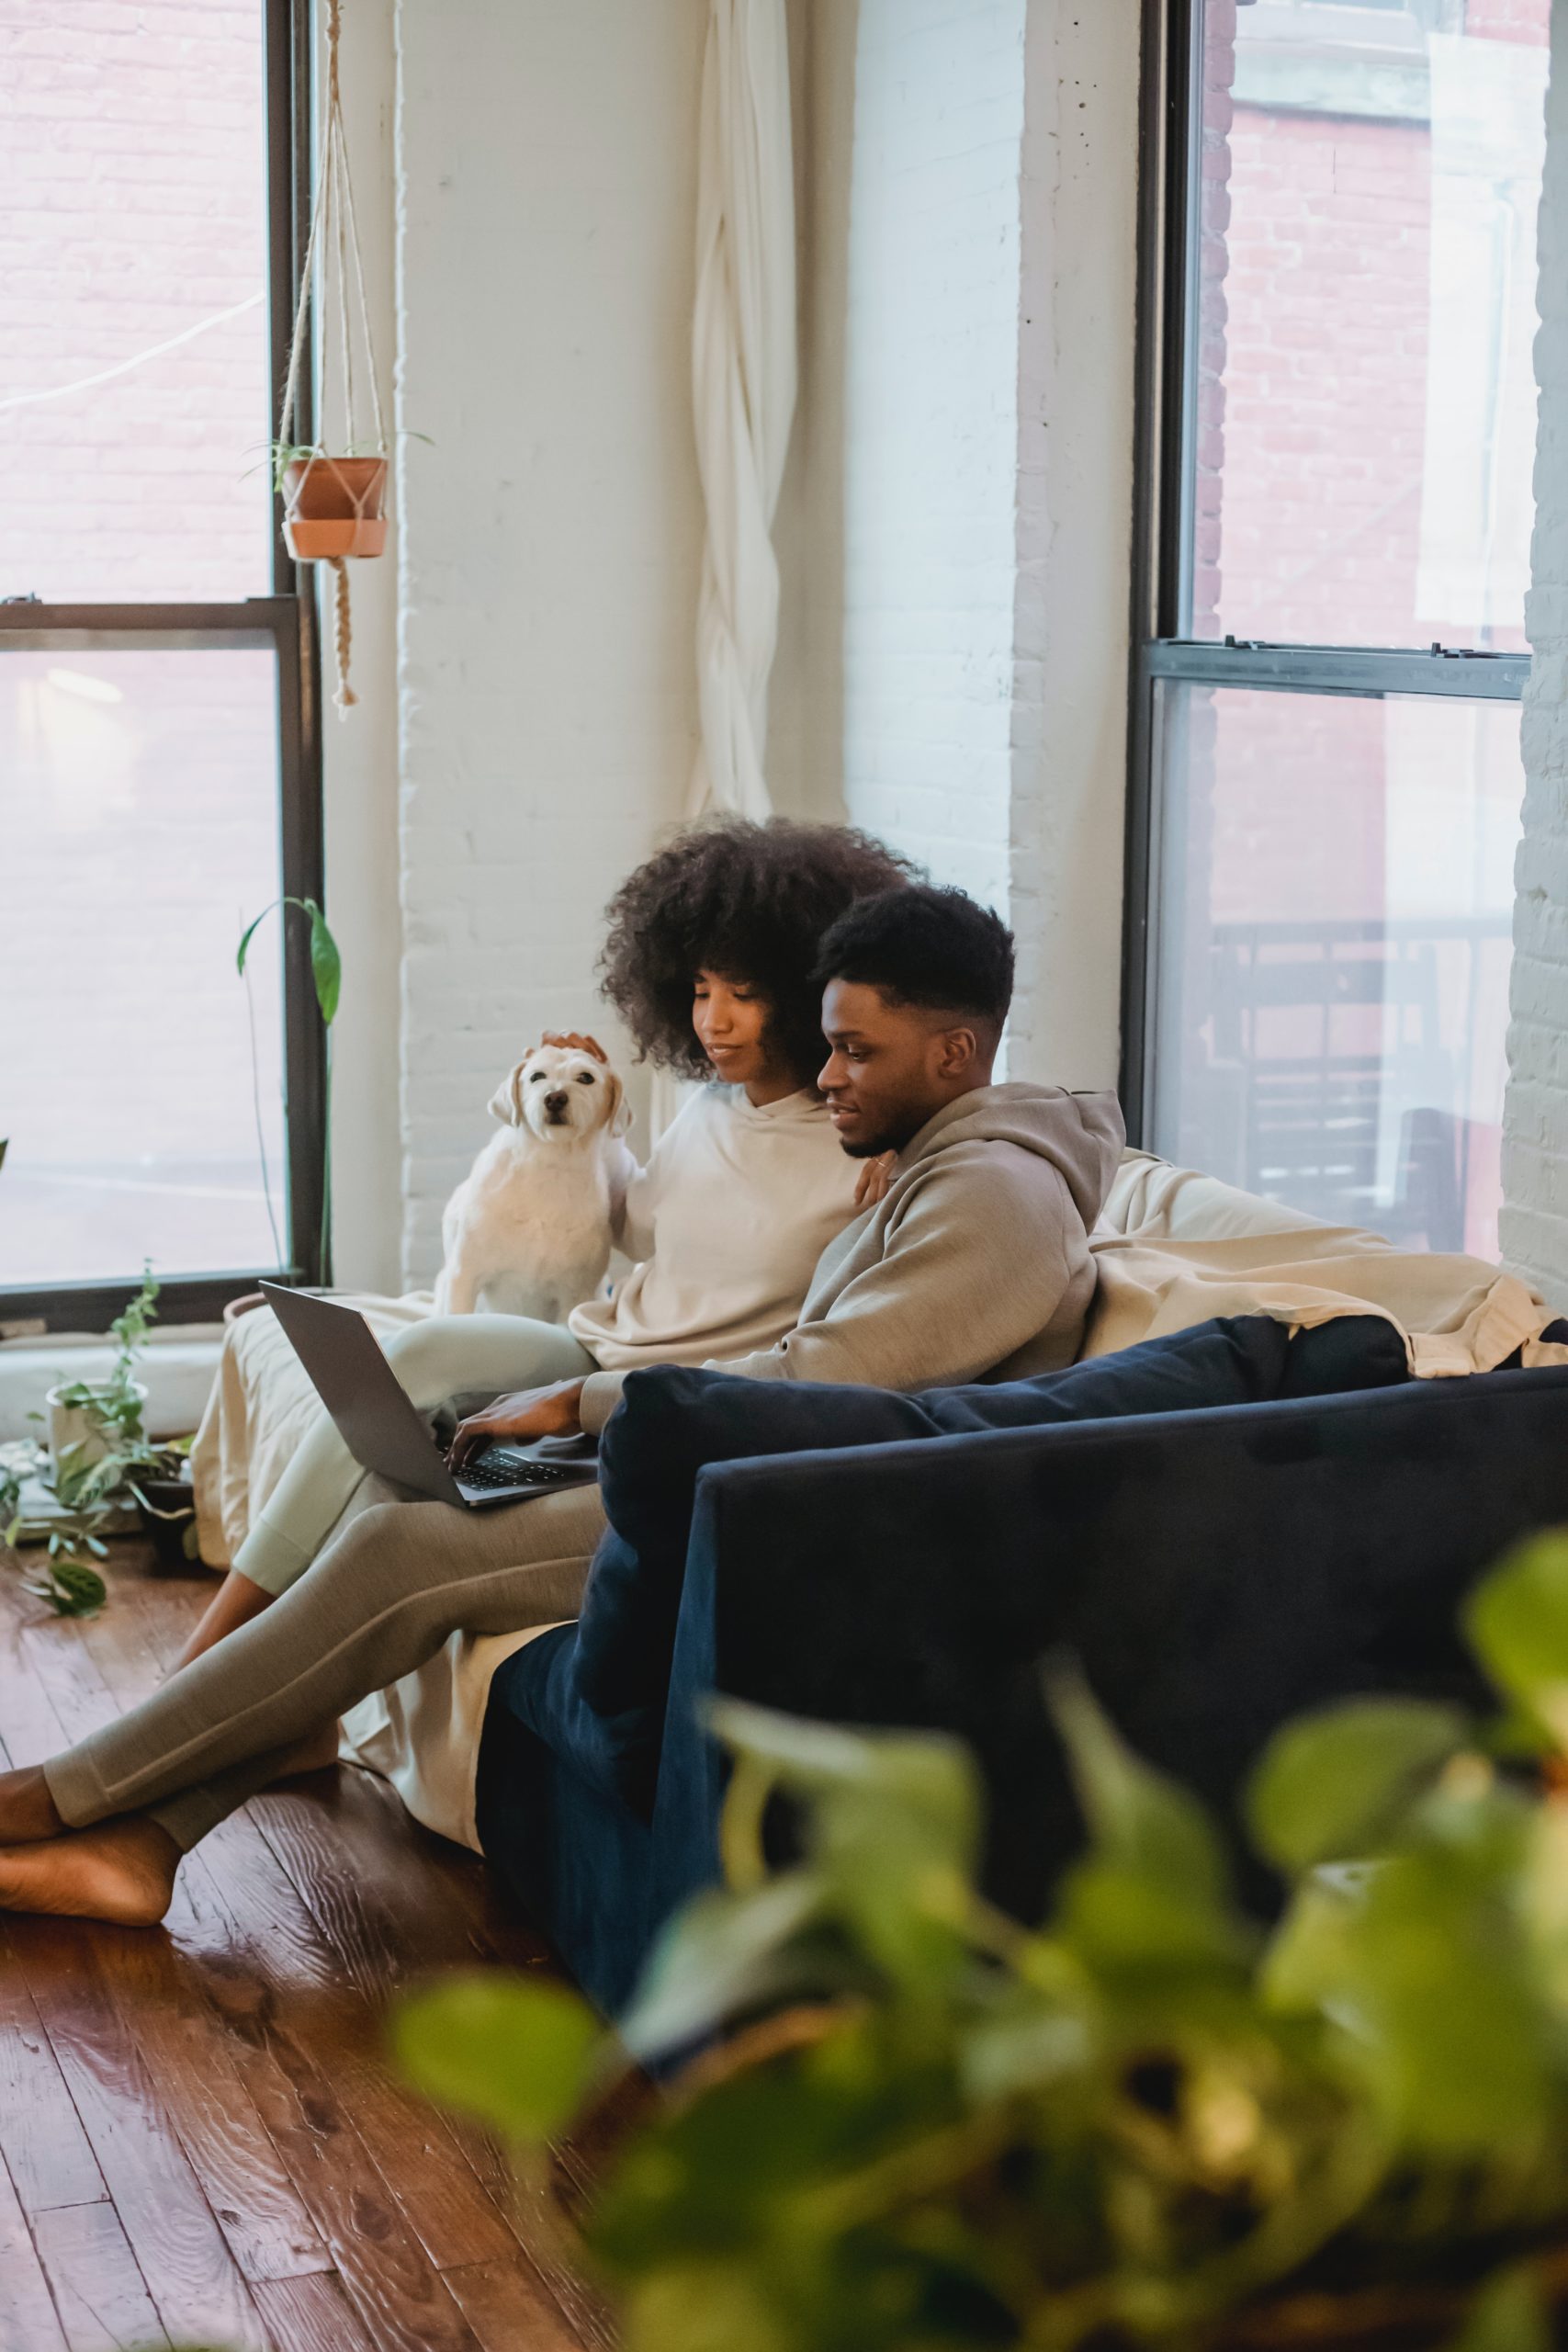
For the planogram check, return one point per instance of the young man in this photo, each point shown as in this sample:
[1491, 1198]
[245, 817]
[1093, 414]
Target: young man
[973, 1263]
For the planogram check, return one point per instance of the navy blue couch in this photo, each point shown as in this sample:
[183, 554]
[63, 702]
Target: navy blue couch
[877, 1560]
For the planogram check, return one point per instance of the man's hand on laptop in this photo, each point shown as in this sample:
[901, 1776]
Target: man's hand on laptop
[530, 1413]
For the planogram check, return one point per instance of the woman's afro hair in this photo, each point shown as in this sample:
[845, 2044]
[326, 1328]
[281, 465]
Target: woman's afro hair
[749, 901]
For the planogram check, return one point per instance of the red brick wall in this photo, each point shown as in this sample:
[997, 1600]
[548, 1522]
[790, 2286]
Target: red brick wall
[138, 792]
[132, 205]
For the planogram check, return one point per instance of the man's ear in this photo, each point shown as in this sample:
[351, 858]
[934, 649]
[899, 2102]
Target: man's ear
[506, 1103]
[960, 1052]
[620, 1109]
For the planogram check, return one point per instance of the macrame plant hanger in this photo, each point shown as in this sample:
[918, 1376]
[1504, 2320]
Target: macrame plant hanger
[333, 506]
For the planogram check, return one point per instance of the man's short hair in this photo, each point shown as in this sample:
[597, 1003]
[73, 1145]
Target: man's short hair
[924, 946]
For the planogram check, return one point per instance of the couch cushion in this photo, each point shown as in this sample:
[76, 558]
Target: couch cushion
[600, 1694]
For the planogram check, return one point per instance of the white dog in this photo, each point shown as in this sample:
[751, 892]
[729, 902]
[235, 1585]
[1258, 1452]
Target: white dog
[529, 1230]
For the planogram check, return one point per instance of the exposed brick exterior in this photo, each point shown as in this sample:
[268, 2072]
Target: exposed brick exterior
[135, 836]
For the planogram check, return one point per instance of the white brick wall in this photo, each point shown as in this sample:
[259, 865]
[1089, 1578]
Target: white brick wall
[550, 539]
[1534, 1225]
[931, 431]
[955, 531]
[1078, 274]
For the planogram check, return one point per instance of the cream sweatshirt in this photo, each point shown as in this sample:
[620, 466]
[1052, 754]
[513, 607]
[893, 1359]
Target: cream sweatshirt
[726, 1223]
[974, 1264]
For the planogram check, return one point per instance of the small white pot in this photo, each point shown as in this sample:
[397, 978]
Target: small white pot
[69, 1425]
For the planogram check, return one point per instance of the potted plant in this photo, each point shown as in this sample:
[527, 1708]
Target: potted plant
[333, 499]
[1149, 2122]
[332, 505]
[89, 1418]
[102, 1465]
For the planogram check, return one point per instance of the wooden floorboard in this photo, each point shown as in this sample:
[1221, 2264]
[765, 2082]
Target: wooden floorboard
[201, 2137]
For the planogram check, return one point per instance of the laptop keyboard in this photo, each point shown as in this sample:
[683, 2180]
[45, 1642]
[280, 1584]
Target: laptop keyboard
[521, 1474]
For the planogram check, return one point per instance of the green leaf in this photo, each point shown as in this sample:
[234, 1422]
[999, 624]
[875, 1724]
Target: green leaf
[1518, 1624]
[926, 1781]
[516, 2053]
[716, 1958]
[1509, 2314]
[705, 2307]
[326, 963]
[893, 1828]
[74, 1589]
[1154, 1891]
[1422, 1966]
[248, 934]
[1334, 1786]
[1023, 2043]
[1138, 1817]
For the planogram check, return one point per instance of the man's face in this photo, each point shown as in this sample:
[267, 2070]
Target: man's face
[890, 1068]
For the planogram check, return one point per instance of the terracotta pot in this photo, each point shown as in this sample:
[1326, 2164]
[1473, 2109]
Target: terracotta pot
[333, 507]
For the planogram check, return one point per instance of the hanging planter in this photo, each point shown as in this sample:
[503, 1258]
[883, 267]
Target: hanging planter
[334, 507]
[334, 500]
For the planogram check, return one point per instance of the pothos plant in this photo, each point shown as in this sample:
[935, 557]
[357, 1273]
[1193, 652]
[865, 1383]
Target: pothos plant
[326, 973]
[98, 1476]
[1150, 2122]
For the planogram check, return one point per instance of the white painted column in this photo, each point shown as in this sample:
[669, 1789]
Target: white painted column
[551, 536]
[1534, 1225]
[1075, 394]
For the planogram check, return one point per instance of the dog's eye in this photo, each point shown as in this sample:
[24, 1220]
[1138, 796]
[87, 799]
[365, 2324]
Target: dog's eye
[538, 1074]
[585, 1077]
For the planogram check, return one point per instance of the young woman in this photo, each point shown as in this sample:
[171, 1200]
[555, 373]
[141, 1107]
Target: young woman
[708, 958]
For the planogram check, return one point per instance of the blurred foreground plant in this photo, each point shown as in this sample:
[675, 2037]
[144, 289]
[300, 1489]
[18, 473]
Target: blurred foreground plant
[1152, 2121]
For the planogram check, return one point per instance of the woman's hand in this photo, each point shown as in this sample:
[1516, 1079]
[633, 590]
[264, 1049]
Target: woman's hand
[532, 1412]
[571, 1042]
[875, 1178]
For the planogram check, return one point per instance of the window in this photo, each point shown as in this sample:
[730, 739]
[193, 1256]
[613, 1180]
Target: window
[1336, 442]
[157, 786]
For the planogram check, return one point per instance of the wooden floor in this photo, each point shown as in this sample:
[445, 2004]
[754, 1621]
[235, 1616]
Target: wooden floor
[201, 2141]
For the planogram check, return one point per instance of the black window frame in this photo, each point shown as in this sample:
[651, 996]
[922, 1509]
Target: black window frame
[284, 621]
[1171, 137]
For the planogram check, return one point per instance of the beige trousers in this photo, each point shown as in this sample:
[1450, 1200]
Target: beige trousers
[395, 1582]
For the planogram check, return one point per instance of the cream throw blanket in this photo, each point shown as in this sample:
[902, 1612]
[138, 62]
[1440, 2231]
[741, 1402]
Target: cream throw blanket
[1173, 1248]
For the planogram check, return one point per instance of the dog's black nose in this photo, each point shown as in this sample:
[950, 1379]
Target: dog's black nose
[556, 1101]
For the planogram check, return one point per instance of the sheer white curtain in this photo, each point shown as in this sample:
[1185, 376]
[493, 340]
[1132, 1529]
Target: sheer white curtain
[743, 382]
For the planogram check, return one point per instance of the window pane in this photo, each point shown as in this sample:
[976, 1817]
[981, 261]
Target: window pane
[1336, 903]
[133, 265]
[138, 834]
[1365, 399]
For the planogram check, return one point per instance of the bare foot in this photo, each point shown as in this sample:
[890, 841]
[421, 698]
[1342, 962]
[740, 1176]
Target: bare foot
[27, 1809]
[120, 1871]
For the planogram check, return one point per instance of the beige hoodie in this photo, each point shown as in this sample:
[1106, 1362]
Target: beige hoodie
[973, 1265]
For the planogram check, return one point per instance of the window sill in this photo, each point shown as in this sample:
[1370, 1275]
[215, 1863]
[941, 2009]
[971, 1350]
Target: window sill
[178, 1367]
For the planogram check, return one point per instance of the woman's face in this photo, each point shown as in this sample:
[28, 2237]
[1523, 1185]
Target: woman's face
[730, 1018]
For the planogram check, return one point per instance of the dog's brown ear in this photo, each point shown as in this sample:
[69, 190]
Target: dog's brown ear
[506, 1103]
[620, 1118]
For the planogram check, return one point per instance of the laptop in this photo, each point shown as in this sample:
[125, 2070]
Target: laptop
[385, 1430]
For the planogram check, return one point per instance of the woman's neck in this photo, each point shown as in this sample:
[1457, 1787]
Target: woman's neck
[761, 1091]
